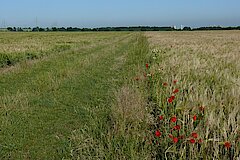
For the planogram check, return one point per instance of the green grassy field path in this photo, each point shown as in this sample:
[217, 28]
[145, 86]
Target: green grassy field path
[43, 101]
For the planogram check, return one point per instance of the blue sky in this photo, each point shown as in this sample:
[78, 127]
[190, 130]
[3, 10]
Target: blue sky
[100, 13]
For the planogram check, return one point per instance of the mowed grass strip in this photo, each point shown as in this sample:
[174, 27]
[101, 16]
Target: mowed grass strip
[42, 103]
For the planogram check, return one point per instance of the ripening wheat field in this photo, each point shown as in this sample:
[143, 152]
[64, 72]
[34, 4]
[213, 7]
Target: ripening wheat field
[120, 95]
[205, 96]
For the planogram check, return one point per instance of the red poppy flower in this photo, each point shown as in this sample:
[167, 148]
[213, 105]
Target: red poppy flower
[160, 117]
[170, 136]
[177, 127]
[173, 97]
[192, 141]
[200, 141]
[170, 100]
[227, 145]
[194, 135]
[175, 139]
[174, 119]
[176, 91]
[158, 133]
[147, 65]
[165, 84]
[175, 81]
[194, 117]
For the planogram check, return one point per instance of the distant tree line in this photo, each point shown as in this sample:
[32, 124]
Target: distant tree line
[138, 28]
[217, 28]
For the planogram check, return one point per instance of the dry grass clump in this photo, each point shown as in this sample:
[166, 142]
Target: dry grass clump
[130, 106]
